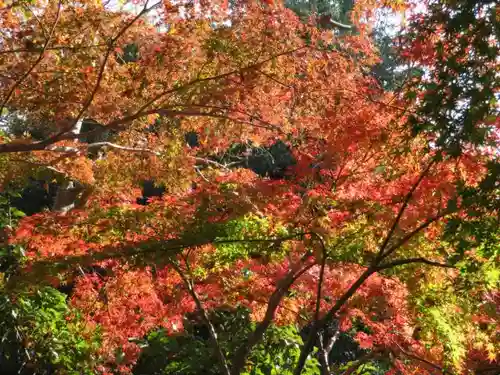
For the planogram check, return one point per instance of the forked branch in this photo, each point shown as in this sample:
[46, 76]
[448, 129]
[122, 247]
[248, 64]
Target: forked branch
[256, 336]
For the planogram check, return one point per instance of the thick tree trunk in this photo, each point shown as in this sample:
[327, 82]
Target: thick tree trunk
[67, 196]
[71, 194]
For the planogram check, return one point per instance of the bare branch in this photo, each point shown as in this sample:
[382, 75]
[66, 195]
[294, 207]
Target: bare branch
[340, 25]
[187, 113]
[211, 162]
[198, 172]
[323, 356]
[38, 20]
[321, 276]
[411, 234]
[100, 75]
[111, 45]
[122, 148]
[274, 79]
[40, 165]
[217, 77]
[53, 48]
[323, 350]
[357, 364]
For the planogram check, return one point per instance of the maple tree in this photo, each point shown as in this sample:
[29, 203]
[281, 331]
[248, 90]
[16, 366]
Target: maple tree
[381, 225]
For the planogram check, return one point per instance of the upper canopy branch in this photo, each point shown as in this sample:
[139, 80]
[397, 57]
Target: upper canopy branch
[67, 134]
[37, 61]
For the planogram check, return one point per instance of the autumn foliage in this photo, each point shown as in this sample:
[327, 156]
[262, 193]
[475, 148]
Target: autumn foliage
[387, 219]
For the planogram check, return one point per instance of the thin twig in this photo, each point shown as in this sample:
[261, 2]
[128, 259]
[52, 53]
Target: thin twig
[274, 79]
[40, 165]
[209, 161]
[44, 31]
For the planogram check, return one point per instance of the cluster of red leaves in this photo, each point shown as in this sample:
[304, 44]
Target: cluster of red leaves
[132, 302]
[354, 160]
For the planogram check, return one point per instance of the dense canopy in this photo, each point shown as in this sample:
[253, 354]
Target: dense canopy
[249, 187]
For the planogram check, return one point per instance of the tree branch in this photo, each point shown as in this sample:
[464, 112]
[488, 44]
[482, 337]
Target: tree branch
[38, 60]
[100, 75]
[39, 165]
[324, 352]
[323, 356]
[402, 209]
[211, 329]
[217, 77]
[423, 360]
[210, 162]
[122, 148]
[156, 246]
[53, 48]
[256, 336]
[340, 25]
[308, 346]
[401, 262]
[63, 135]
[411, 234]
[361, 361]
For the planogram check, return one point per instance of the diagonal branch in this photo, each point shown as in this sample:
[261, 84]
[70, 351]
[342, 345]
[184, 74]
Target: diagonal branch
[340, 25]
[38, 60]
[274, 79]
[100, 75]
[211, 329]
[401, 262]
[64, 135]
[190, 113]
[272, 305]
[423, 360]
[306, 349]
[53, 48]
[402, 209]
[308, 346]
[216, 77]
[122, 148]
[411, 234]
[38, 20]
